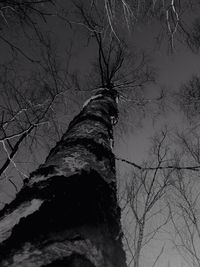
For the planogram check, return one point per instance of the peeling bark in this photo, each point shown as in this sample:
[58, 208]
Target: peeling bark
[67, 212]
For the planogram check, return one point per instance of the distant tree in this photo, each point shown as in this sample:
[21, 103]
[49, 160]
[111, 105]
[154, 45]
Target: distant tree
[144, 203]
[23, 19]
[188, 97]
[153, 193]
[171, 17]
[28, 100]
[184, 206]
[183, 197]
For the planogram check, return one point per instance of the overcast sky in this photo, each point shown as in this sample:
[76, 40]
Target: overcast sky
[172, 70]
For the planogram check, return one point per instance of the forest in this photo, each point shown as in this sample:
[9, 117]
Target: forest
[99, 133]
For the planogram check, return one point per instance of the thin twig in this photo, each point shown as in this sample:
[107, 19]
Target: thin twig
[191, 168]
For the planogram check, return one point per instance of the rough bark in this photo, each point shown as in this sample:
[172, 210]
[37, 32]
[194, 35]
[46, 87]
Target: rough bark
[67, 212]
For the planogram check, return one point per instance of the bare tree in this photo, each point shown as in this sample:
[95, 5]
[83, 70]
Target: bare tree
[185, 218]
[171, 181]
[22, 22]
[115, 66]
[144, 203]
[28, 102]
[67, 211]
[183, 200]
[79, 175]
[188, 97]
[172, 17]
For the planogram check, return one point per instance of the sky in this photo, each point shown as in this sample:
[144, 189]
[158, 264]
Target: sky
[172, 70]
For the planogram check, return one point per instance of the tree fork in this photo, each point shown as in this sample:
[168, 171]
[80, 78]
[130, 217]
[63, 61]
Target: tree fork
[67, 213]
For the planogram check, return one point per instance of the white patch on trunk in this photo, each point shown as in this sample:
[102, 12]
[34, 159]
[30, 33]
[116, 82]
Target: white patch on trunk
[111, 143]
[117, 99]
[37, 179]
[91, 98]
[31, 256]
[10, 220]
[75, 163]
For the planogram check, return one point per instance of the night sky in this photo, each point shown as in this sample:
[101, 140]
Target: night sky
[75, 50]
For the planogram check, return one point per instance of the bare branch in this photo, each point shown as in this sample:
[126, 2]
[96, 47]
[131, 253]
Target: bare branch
[174, 167]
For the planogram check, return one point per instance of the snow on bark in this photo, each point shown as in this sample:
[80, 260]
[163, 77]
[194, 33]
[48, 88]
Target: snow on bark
[35, 257]
[69, 205]
[91, 98]
[9, 221]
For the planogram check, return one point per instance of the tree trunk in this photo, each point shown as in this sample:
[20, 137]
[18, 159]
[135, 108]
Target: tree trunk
[139, 245]
[67, 212]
